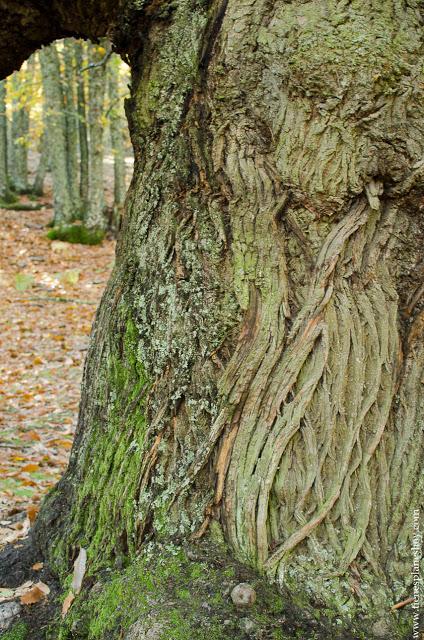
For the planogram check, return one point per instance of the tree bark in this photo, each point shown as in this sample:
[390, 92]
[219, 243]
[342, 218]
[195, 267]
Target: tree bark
[5, 193]
[71, 118]
[96, 219]
[257, 358]
[19, 136]
[82, 125]
[42, 167]
[116, 126]
[64, 211]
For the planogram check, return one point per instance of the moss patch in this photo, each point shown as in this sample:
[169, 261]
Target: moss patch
[105, 516]
[76, 234]
[17, 632]
[182, 593]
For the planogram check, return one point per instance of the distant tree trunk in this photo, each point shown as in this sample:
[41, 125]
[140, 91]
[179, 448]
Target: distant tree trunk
[96, 220]
[5, 193]
[117, 127]
[257, 360]
[82, 125]
[19, 136]
[42, 167]
[55, 124]
[72, 123]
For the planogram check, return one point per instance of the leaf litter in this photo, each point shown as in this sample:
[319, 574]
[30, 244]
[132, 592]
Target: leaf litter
[49, 292]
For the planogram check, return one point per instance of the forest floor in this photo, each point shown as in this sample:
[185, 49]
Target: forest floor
[49, 292]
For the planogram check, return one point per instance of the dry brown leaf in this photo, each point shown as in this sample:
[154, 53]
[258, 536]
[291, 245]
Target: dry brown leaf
[67, 603]
[38, 591]
[32, 512]
[30, 467]
[37, 566]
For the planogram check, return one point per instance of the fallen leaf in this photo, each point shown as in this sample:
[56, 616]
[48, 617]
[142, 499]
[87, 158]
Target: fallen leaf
[37, 566]
[38, 591]
[32, 511]
[67, 603]
[30, 467]
[31, 435]
[79, 571]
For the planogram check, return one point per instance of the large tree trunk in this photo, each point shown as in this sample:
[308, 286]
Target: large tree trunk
[257, 358]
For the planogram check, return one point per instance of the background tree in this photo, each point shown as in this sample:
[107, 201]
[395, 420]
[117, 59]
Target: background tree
[55, 124]
[5, 193]
[257, 359]
[71, 119]
[117, 128]
[95, 219]
[43, 165]
[19, 132]
[81, 61]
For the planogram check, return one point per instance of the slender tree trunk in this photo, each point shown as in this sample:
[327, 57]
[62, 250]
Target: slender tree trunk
[42, 167]
[64, 211]
[82, 125]
[258, 357]
[71, 117]
[117, 125]
[5, 194]
[19, 136]
[96, 219]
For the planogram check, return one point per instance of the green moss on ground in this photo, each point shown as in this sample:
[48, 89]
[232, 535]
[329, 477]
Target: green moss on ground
[20, 206]
[182, 594]
[17, 632]
[76, 234]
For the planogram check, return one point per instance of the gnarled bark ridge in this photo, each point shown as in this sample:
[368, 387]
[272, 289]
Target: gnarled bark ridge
[258, 354]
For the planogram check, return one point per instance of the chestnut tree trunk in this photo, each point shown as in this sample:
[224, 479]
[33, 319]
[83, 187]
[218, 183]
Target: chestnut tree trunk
[258, 355]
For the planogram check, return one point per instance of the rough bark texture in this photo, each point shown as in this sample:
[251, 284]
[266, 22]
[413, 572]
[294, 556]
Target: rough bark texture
[258, 357]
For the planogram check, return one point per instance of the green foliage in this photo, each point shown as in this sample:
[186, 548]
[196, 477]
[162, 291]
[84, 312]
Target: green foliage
[17, 632]
[76, 234]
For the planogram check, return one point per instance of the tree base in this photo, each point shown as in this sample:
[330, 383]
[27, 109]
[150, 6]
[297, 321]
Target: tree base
[179, 593]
